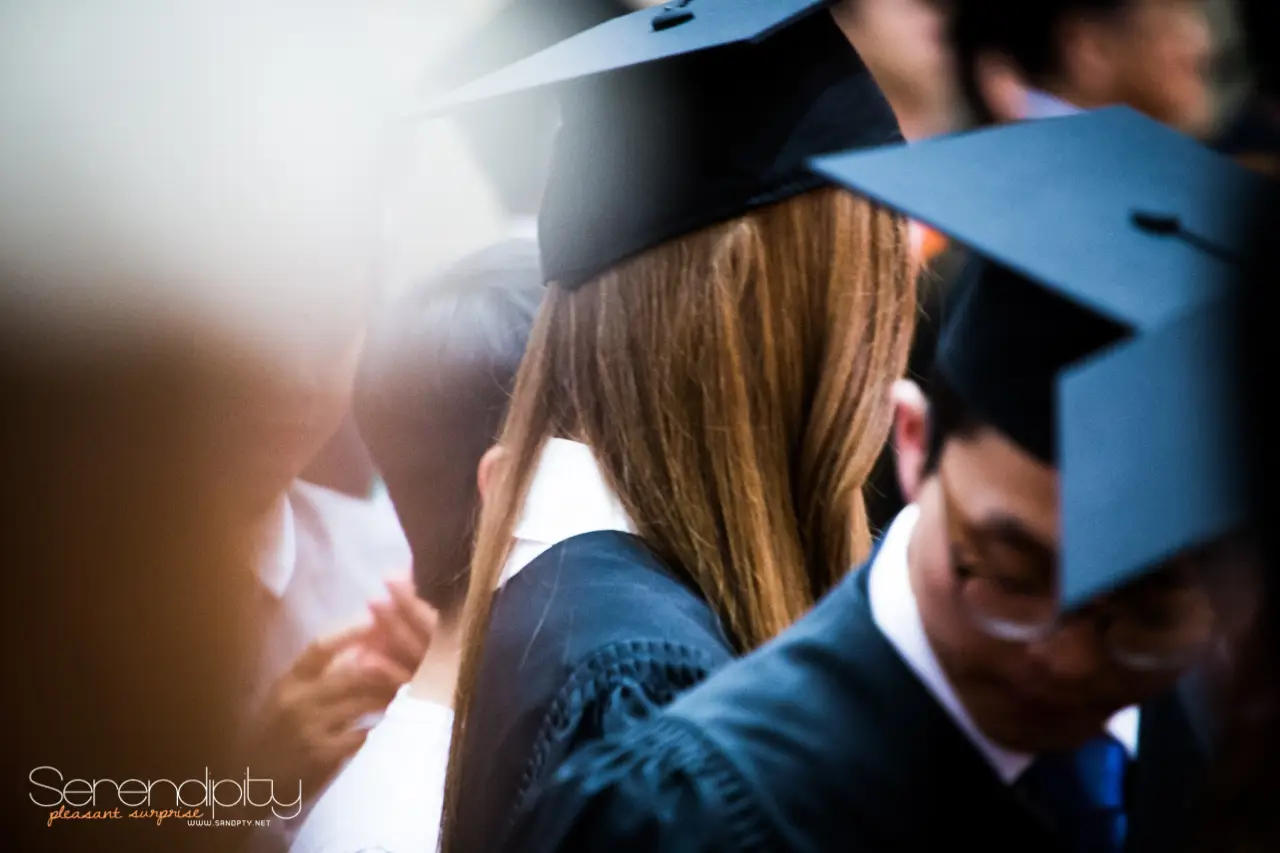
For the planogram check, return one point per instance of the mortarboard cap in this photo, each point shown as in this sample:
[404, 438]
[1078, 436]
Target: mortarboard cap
[1121, 223]
[1003, 343]
[677, 117]
[1092, 232]
[1151, 452]
[1108, 208]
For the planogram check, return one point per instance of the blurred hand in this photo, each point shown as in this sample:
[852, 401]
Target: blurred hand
[402, 626]
[308, 724]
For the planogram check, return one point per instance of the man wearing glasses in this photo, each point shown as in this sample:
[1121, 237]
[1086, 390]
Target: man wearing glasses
[966, 589]
[966, 583]
[1004, 672]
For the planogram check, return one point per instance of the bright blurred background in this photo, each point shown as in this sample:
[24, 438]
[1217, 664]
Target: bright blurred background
[254, 165]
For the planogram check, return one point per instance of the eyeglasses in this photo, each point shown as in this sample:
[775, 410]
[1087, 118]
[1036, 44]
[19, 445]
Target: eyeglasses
[1164, 622]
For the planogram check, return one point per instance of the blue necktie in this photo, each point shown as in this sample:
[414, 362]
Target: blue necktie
[1082, 794]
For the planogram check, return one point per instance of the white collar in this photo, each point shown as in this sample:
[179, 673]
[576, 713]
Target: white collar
[568, 496]
[277, 562]
[1041, 104]
[896, 614]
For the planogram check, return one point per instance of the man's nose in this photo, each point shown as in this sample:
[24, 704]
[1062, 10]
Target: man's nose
[1071, 653]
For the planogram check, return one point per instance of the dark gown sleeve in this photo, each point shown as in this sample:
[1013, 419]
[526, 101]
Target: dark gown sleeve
[586, 642]
[609, 695]
[657, 787]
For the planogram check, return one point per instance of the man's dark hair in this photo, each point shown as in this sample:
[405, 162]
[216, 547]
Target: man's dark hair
[949, 417]
[431, 395]
[1024, 31]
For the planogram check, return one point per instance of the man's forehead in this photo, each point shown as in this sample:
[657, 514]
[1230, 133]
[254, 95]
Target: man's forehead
[991, 479]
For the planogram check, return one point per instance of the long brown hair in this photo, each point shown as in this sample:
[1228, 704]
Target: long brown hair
[733, 384]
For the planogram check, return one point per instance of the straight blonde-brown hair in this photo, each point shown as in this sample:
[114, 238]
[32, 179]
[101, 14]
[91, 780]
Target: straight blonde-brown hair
[733, 384]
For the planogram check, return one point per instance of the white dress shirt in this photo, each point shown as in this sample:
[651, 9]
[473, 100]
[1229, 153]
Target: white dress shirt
[896, 614]
[278, 560]
[330, 557]
[568, 496]
[361, 532]
[390, 794]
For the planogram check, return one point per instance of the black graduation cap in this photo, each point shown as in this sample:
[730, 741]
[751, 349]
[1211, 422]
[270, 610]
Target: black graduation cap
[1152, 451]
[1092, 232]
[684, 115]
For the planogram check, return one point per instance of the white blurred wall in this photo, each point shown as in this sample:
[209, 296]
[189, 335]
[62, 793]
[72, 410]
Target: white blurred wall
[244, 166]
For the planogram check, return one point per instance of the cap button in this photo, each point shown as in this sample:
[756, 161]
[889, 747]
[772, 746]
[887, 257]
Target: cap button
[671, 16]
[1157, 223]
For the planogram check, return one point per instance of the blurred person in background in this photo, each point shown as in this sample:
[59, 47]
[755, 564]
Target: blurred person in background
[206, 239]
[127, 627]
[343, 465]
[904, 43]
[1017, 60]
[320, 667]
[435, 380]
[1021, 60]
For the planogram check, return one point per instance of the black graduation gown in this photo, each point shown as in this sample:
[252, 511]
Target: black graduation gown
[825, 740]
[588, 638]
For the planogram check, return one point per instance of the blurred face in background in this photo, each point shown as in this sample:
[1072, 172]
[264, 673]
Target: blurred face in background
[1163, 62]
[904, 44]
[283, 405]
[1154, 56]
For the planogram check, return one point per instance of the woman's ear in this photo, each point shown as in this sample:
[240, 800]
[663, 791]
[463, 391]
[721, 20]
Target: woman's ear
[487, 470]
[910, 435]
